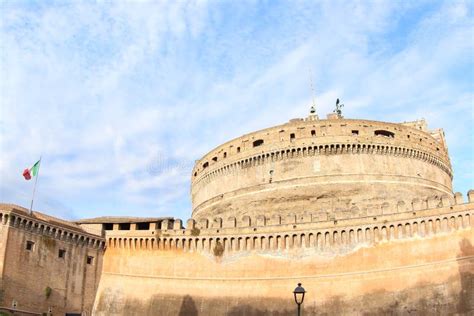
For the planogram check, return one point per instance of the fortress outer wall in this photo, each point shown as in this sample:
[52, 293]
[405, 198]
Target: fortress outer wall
[420, 260]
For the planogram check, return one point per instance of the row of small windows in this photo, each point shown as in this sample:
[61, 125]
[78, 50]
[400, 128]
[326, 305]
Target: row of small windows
[30, 246]
[127, 226]
[260, 142]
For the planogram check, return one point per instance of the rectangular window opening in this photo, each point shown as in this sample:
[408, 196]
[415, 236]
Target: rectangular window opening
[313, 133]
[90, 260]
[355, 132]
[143, 226]
[108, 226]
[124, 226]
[292, 136]
[30, 245]
[62, 253]
[258, 142]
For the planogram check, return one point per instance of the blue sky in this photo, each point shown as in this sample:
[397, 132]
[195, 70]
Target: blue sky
[120, 98]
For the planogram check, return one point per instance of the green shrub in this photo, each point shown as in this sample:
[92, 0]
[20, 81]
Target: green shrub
[47, 292]
[218, 249]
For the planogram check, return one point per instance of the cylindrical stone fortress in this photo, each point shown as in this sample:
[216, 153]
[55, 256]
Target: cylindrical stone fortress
[309, 165]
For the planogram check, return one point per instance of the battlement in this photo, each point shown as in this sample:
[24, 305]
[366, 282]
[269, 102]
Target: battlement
[323, 149]
[307, 164]
[423, 218]
[298, 131]
[43, 225]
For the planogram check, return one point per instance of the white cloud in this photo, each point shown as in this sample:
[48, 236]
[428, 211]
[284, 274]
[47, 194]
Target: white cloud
[121, 98]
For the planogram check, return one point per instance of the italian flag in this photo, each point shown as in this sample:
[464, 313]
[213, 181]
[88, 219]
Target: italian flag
[33, 171]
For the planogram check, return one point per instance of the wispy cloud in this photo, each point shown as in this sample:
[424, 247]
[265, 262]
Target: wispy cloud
[121, 98]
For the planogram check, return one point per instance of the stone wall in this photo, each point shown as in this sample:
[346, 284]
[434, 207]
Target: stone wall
[420, 260]
[27, 274]
[310, 165]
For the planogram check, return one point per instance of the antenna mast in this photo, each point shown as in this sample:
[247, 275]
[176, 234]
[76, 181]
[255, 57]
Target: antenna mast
[312, 111]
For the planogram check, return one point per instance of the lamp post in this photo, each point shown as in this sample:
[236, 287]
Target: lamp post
[299, 296]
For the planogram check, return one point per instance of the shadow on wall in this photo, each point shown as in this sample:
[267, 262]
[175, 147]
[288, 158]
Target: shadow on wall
[188, 307]
[422, 299]
[466, 296]
[247, 310]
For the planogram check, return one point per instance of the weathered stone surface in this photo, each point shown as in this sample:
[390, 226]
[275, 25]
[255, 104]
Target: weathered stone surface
[305, 165]
[26, 274]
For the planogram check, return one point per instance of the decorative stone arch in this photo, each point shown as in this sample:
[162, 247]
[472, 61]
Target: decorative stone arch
[319, 241]
[360, 235]
[278, 242]
[452, 223]
[352, 237]
[327, 240]
[459, 222]
[368, 235]
[312, 241]
[437, 226]
[408, 232]
[240, 245]
[263, 242]
[335, 238]
[343, 240]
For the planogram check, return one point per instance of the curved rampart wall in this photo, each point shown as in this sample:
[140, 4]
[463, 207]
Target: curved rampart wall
[323, 165]
[418, 260]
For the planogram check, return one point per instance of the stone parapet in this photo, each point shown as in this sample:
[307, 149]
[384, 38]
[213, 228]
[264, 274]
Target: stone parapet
[56, 231]
[330, 234]
[311, 164]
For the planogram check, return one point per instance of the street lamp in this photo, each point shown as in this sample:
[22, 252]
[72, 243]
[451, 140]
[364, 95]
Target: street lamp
[299, 296]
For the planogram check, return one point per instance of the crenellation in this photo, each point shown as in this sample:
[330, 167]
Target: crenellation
[177, 224]
[446, 201]
[359, 210]
[190, 223]
[470, 196]
[434, 202]
[300, 233]
[458, 198]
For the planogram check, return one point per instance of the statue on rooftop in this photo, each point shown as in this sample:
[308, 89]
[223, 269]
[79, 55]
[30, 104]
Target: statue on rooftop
[338, 107]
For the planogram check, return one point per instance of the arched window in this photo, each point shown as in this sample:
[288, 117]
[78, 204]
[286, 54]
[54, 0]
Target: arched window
[381, 132]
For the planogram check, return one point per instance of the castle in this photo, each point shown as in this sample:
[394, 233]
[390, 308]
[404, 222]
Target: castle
[361, 212]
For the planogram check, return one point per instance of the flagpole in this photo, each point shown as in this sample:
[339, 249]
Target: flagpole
[34, 188]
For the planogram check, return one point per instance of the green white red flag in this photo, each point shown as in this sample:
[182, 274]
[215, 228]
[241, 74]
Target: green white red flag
[28, 173]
